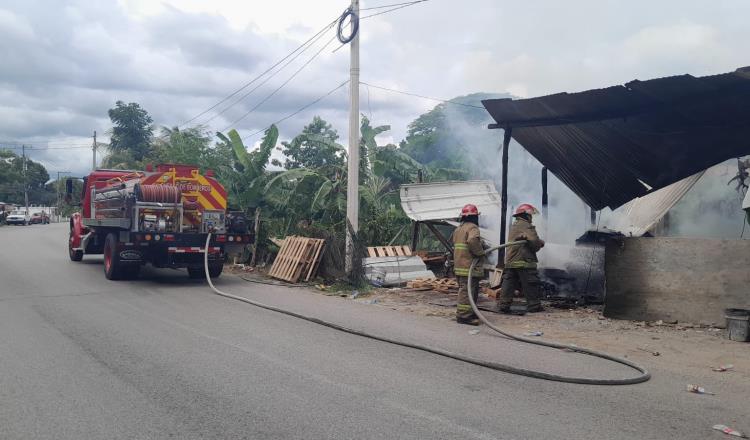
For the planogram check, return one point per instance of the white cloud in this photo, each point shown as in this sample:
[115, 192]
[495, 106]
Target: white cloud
[65, 63]
[15, 27]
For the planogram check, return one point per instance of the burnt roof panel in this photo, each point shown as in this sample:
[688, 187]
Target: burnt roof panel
[614, 144]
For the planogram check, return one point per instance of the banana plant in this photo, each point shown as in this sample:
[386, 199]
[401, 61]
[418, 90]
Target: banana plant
[368, 147]
[248, 177]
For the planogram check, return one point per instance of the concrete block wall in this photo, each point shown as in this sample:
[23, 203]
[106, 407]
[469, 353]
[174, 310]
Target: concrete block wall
[687, 279]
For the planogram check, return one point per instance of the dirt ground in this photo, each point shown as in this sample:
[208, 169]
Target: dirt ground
[683, 348]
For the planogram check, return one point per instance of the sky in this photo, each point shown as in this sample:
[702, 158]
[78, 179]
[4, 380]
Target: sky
[65, 63]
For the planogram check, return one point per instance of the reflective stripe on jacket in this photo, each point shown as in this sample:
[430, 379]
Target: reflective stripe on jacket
[523, 257]
[467, 245]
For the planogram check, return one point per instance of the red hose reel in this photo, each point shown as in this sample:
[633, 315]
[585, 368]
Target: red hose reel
[158, 193]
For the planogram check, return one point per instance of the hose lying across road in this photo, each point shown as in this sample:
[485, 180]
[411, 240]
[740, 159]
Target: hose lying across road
[493, 365]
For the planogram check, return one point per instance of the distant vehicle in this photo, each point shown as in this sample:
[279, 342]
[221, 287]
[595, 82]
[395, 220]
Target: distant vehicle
[18, 217]
[40, 218]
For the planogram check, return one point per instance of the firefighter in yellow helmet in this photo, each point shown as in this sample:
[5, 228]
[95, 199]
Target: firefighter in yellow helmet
[467, 245]
[520, 271]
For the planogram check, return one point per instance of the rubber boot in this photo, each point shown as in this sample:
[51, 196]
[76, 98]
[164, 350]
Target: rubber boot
[467, 320]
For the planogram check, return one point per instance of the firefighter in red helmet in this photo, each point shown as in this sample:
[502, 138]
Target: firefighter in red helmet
[520, 271]
[467, 245]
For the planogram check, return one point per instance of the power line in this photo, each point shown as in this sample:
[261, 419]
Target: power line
[245, 95]
[397, 7]
[446, 101]
[392, 5]
[40, 148]
[402, 6]
[301, 109]
[247, 84]
[264, 100]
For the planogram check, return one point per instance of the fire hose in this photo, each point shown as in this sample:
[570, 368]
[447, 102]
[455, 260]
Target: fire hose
[488, 364]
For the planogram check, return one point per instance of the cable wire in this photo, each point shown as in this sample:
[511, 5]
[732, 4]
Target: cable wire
[446, 101]
[249, 92]
[406, 5]
[301, 109]
[393, 5]
[270, 95]
[247, 84]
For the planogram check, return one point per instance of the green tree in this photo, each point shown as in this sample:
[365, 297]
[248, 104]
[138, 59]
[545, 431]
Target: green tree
[132, 130]
[245, 176]
[12, 179]
[315, 147]
[191, 146]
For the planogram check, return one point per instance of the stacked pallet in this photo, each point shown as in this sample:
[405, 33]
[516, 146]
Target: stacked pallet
[389, 251]
[298, 257]
[442, 285]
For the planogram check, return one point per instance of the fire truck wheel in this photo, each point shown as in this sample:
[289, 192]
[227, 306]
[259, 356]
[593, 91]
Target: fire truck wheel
[113, 270]
[215, 271]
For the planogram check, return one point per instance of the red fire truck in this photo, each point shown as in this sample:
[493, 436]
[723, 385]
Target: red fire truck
[161, 217]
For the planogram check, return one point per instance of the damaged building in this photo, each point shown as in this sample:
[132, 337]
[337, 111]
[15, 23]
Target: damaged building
[638, 149]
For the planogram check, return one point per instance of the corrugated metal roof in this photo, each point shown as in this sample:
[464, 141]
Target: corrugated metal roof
[444, 200]
[638, 216]
[615, 144]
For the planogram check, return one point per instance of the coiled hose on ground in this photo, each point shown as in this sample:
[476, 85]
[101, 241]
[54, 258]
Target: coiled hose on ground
[493, 365]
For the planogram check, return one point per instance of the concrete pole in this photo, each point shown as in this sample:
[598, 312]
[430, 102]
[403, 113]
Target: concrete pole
[93, 148]
[25, 182]
[352, 189]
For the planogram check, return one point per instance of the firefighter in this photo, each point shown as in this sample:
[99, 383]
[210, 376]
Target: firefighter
[467, 245]
[521, 261]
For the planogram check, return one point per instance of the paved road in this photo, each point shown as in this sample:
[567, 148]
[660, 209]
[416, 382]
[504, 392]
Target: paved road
[85, 358]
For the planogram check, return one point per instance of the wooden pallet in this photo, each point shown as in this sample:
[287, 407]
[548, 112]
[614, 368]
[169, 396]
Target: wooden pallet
[389, 251]
[298, 257]
[443, 285]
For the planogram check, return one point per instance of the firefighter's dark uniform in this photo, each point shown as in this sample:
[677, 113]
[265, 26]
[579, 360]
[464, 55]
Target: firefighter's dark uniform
[520, 266]
[467, 245]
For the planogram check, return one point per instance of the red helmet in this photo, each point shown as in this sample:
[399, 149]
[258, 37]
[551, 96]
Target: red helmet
[525, 208]
[469, 210]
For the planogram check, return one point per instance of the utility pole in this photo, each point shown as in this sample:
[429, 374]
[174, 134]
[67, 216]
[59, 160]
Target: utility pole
[93, 148]
[25, 184]
[352, 188]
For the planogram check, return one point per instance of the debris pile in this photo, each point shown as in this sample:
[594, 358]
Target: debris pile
[395, 270]
[442, 285]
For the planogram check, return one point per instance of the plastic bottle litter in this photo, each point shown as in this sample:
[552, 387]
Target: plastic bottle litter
[653, 353]
[722, 368]
[473, 332]
[534, 333]
[698, 389]
[729, 431]
[355, 294]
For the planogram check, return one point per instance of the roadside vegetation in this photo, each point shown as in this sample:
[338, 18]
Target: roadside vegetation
[299, 184]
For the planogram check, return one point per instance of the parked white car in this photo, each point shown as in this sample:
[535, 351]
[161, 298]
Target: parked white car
[18, 217]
